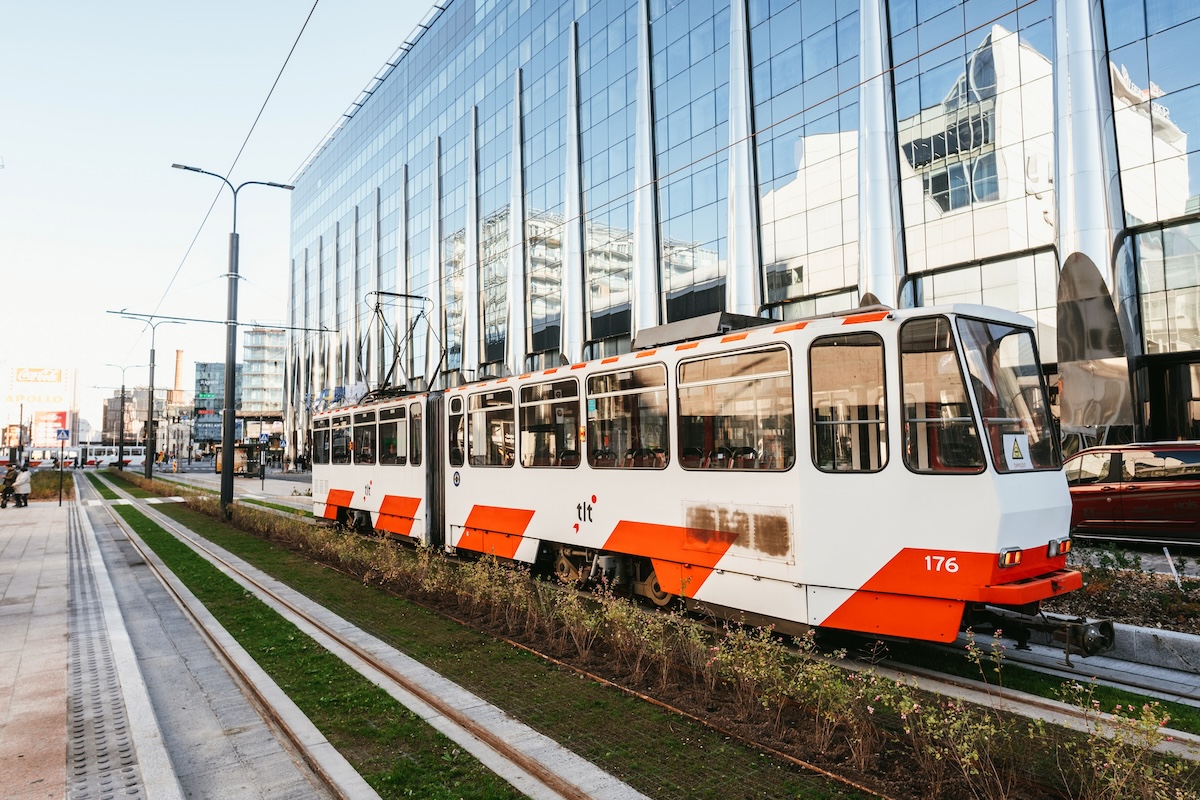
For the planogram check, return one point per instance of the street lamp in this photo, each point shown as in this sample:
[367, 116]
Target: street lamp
[121, 419]
[229, 418]
[151, 448]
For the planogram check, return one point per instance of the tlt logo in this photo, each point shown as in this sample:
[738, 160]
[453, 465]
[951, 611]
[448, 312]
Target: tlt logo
[583, 511]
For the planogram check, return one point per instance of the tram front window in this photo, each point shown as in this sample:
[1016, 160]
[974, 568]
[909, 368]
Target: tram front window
[1010, 391]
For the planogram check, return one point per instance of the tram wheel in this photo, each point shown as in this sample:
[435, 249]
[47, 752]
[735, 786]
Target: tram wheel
[656, 594]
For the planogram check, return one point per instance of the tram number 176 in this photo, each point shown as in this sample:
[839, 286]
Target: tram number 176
[941, 564]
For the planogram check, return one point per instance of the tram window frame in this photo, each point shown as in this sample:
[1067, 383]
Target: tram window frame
[943, 438]
[549, 414]
[365, 437]
[415, 429]
[456, 431]
[320, 449]
[489, 413]
[340, 432]
[834, 449]
[648, 445]
[393, 422]
[707, 387]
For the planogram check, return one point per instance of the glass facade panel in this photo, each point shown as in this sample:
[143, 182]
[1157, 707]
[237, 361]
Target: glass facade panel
[976, 123]
[808, 151]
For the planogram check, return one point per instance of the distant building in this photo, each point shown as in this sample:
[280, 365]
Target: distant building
[210, 400]
[263, 356]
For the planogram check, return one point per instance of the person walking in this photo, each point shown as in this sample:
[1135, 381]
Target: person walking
[21, 486]
[10, 477]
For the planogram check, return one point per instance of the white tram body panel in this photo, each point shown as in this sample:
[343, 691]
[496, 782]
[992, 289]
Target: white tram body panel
[875, 472]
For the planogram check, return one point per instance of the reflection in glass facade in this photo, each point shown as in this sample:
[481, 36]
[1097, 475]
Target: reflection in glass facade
[517, 165]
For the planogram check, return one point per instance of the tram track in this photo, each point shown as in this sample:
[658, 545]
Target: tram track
[533, 777]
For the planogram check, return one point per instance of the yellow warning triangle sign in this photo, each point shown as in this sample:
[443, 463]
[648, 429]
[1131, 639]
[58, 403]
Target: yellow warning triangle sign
[1016, 451]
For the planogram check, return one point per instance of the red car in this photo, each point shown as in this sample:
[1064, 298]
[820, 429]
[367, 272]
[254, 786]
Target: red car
[1132, 492]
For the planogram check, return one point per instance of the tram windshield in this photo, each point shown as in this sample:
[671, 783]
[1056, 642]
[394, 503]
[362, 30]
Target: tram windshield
[1007, 381]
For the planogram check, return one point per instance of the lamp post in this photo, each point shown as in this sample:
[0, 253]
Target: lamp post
[229, 418]
[121, 418]
[151, 447]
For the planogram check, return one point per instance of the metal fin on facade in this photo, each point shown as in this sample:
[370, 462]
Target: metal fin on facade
[645, 300]
[571, 273]
[743, 272]
[1092, 349]
[880, 246]
[469, 363]
[437, 306]
[514, 337]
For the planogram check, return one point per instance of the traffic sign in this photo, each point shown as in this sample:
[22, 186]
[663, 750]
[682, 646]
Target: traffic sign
[263, 438]
[62, 434]
[283, 441]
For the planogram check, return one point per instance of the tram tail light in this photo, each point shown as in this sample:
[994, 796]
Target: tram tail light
[1010, 557]
[1059, 547]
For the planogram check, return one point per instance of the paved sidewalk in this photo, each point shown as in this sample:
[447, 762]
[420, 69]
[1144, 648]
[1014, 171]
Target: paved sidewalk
[33, 651]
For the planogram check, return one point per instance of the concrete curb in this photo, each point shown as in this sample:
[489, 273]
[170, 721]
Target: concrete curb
[1157, 648]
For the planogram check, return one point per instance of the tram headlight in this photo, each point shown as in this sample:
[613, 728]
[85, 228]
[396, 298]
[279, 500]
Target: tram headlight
[1059, 547]
[1010, 556]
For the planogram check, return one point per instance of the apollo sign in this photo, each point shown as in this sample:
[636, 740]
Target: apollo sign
[37, 386]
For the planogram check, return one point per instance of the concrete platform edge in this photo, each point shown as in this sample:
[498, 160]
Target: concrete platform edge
[158, 774]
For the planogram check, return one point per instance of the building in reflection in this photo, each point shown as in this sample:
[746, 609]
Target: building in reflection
[530, 183]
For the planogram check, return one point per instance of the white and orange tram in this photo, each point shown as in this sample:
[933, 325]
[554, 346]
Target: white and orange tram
[889, 472]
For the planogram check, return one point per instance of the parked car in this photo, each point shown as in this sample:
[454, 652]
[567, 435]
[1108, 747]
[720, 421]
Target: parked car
[1137, 492]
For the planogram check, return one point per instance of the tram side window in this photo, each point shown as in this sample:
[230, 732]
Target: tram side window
[364, 437]
[340, 438]
[414, 434]
[849, 412]
[735, 412]
[939, 430]
[490, 428]
[320, 452]
[550, 424]
[393, 437]
[458, 433]
[627, 418]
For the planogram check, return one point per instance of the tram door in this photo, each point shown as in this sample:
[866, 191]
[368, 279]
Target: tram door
[436, 455]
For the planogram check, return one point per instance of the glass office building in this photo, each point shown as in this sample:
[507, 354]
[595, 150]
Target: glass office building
[532, 182]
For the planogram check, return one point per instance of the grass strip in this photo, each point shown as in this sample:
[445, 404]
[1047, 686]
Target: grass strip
[659, 753]
[101, 486]
[1014, 676]
[392, 748]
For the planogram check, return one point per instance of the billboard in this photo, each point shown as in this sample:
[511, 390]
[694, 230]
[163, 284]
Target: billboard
[40, 398]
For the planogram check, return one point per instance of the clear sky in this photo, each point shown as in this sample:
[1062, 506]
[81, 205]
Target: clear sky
[97, 100]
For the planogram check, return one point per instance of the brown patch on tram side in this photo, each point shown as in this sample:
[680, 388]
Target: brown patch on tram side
[772, 534]
[764, 532]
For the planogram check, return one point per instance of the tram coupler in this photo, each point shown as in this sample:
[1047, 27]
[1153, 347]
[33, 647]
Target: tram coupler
[1075, 634]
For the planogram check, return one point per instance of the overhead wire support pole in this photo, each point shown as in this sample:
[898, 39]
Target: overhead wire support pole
[151, 437]
[229, 417]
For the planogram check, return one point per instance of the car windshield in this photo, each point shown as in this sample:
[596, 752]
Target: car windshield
[1010, 391]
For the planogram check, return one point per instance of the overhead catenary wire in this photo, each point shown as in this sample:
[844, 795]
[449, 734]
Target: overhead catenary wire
[236, 158]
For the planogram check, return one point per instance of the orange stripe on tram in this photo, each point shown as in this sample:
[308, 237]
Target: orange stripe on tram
[494, 530]
[683, 557]
[396, 514]
[337, 498]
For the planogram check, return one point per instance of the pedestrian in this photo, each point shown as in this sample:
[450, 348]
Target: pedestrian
[10, 476]
[21, 486]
